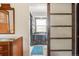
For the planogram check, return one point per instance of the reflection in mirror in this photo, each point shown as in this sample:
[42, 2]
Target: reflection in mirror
[38, 29]
[6, 19]
[11, 20]
[4, 27]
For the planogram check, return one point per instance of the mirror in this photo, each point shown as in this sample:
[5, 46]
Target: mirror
[38, 29]
[7, 25]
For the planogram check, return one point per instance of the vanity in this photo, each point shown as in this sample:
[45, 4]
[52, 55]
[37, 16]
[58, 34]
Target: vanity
[11, 47]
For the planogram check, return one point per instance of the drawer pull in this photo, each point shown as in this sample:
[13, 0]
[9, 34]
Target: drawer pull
[1, 48]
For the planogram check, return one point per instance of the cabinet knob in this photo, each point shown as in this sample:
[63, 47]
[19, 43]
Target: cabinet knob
[0, 47]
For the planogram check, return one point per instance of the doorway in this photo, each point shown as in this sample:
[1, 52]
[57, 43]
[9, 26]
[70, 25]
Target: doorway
[38, 29]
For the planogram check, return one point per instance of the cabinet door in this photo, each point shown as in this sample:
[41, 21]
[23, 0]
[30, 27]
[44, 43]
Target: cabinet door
[18, 47]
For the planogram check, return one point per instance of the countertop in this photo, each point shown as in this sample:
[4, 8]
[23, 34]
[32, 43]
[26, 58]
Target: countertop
[7, 39]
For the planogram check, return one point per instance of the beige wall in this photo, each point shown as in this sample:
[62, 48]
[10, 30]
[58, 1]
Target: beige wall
[21, 25]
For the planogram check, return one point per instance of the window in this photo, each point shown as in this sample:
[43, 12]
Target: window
[41, 25]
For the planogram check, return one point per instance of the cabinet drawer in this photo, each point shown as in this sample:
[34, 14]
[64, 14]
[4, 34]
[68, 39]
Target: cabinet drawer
[4, 43]
[4, 54]
[3, 47]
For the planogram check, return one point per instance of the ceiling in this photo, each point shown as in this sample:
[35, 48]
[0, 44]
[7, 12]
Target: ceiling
[38, 9]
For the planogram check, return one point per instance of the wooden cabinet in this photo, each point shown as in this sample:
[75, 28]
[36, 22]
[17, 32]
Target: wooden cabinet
[6, 48]
[11, 48]
[18, 47]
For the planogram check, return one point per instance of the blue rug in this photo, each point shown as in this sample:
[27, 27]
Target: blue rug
[37, 50]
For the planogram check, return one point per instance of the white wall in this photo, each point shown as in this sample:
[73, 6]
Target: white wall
[21, 25]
